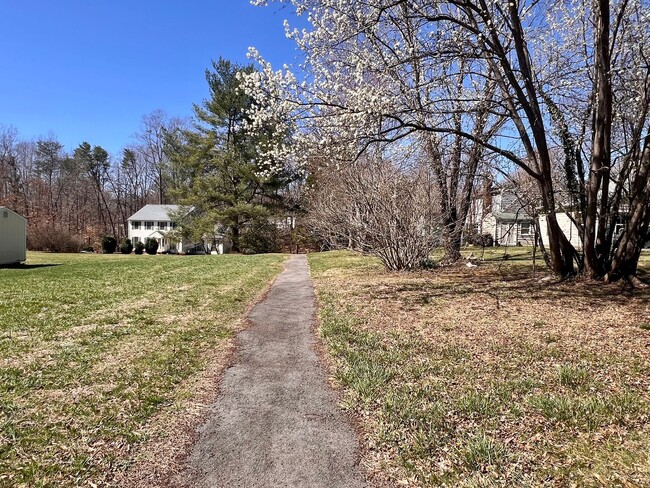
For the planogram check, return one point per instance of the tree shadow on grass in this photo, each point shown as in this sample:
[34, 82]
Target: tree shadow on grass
[27, 267]
[506, 284]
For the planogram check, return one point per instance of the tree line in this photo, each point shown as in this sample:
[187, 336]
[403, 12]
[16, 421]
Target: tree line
[73, 198]
[210, 163]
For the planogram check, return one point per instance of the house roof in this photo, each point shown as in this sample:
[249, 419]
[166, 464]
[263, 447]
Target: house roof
[157, 212]
[512, 216]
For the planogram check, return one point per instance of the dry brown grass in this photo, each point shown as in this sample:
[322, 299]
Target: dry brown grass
[171, 433]
[490, 376]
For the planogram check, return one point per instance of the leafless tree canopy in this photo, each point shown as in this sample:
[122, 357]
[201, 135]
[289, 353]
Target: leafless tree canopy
[72, 197]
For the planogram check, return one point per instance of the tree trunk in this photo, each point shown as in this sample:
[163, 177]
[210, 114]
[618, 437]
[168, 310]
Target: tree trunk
[539, 242]
[594, 261]
[234, 229]
[626, 258]
[451, 238]
[561, 251]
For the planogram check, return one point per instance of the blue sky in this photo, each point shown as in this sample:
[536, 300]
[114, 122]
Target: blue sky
[90, 69]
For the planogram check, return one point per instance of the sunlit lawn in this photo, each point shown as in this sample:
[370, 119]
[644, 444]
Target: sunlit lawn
[490, 376]
[93, 346]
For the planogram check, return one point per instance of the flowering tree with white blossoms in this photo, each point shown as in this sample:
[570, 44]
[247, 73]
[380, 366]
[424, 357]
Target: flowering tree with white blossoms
[365, 92]
[509, 79]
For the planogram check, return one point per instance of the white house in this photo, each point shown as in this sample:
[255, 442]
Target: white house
[504, 218]
[13, 237]
[509, 224]
[156, 221]
[506, 221]
[568, 228]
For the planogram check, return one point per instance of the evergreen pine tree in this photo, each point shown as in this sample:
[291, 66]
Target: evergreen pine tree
[214, 165]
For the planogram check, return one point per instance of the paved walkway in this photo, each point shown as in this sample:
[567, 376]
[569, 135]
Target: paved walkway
[276, 422]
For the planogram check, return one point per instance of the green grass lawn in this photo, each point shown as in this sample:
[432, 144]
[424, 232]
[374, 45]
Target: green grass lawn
[92, 347]
[490, 376]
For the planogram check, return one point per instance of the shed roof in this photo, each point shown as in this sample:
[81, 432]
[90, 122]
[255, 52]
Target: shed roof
[157, 212]
[2, 207]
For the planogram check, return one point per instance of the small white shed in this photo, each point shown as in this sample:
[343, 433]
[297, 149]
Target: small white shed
[13, 237]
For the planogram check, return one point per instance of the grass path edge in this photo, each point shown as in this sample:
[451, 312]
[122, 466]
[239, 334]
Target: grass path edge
[159, 461]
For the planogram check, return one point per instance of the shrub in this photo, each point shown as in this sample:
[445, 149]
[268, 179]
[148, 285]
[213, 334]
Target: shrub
[151, 245]
[302, 238]
[54, 238]
[259, 237]
[138, 248]
[109, 244]
[482, 240]
[126, 246]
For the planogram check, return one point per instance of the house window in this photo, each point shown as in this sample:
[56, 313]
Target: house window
[162, 225]
[135, 240]
[148, 225]
[173, 225]
[135, 225]
[525, 229]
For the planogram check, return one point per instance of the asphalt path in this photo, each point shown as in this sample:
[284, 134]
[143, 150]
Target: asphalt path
[276, 422]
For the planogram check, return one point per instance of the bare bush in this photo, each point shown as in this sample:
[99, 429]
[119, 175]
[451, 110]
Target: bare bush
[54, 238]
[378, 207]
